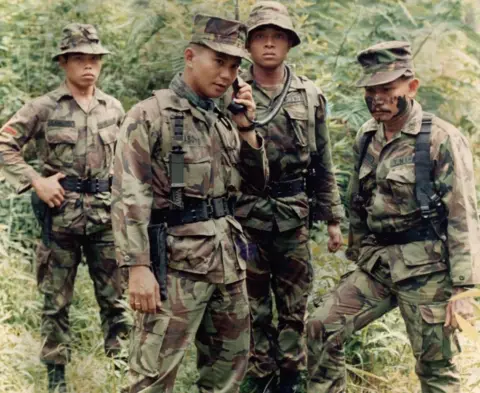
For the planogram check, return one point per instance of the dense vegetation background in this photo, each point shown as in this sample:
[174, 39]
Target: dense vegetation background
[147, 38]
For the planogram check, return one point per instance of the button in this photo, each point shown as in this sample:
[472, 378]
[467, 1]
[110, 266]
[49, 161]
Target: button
[461, 278]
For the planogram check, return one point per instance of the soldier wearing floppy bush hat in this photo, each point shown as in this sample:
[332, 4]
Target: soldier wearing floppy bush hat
[74, 127]
[277, 220]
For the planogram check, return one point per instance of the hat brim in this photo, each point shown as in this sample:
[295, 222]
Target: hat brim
[381, 77]
[88, 49]
[228, 49]
[293, 34]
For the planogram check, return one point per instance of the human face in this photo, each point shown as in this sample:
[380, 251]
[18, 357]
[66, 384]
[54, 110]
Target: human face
[389, 100]
[210, 73]
[268, 46]
[81, 70]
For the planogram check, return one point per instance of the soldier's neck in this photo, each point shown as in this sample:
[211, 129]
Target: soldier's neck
[268, 76]
[82, 95]
[81, 92]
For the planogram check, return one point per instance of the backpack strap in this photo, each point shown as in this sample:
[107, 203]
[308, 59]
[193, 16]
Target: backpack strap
[428, 199]
[177, 154]
[313, 103]
[365, 141]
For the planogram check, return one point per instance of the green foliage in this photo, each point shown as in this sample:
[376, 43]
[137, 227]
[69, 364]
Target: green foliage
[147, 38]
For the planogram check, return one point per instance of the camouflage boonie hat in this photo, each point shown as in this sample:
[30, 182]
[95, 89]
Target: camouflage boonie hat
[221, 35]
[272, 13]
[384, 62]
[80, 38]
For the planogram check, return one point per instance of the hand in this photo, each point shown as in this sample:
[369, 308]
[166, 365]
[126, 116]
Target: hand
[244, 97]
[335, 239]
[49, 189]
[144, 290]
[463, 307]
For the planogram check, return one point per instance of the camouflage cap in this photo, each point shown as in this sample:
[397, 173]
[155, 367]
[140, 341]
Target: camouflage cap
[272, 13]
[80, 38]
[384, 62]
[221, 35]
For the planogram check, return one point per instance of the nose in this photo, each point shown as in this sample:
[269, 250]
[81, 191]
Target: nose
[269, 42]
[228, 75]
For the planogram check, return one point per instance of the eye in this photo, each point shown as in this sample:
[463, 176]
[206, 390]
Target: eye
[220, 62]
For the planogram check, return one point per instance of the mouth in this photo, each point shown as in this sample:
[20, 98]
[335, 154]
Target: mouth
[88, 76]
[269, 54]
[220, 86]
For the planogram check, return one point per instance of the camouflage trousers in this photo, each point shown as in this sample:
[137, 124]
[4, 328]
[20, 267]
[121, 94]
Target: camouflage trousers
[214, 316]
[281, 266]
[361, 298]
[57, 267]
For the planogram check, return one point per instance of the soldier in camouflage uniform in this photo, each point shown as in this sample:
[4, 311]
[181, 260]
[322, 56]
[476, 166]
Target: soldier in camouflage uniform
[407, 257]
[207, 299]
[75, 128]
[276, 220]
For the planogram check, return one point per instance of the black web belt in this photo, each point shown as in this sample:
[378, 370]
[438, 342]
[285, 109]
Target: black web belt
[283, 189]
[408, 236]
[194, 211]
[86, 186]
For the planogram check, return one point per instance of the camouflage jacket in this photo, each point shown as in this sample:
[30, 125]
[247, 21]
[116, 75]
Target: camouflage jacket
[289, 155]
[70, 141]
[387, 176]
[215, 162]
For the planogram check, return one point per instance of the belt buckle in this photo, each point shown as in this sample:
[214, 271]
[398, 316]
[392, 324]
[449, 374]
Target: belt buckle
[79, 186]
[210, 211]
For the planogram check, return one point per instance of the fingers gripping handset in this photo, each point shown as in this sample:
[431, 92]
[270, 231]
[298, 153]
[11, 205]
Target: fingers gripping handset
[233, 107]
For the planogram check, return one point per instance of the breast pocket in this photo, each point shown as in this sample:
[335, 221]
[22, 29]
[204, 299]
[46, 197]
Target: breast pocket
[61, 145]
[401, 181]
[108, 137]
[298, 118]
[197, 170]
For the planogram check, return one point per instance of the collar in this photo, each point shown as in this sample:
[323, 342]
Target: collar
[63, 91]
[180, 88]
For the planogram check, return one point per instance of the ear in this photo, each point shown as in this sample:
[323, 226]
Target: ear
[62, 61]
[188, 55]
[413, 86]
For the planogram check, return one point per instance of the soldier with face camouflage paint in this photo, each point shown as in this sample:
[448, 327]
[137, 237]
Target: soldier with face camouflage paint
[276, 220]
[407, 256]
[74, 128]
[206, 300]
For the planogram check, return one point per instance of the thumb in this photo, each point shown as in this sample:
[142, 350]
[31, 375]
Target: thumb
[448, 316]
[59, 175]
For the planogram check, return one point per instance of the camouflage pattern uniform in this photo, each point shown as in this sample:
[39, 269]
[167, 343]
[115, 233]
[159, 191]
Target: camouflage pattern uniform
[207, 297]
[278, 225]
[81, 145]
[418, 276]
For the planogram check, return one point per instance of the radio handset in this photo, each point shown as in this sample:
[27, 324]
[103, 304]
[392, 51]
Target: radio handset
[233, 107]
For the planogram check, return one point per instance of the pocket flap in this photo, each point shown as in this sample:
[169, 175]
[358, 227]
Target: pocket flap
[402, 174]
[422, 253]
[296, 112]
[433, 313]
[108, 135]
[200, 228]
[57, 135]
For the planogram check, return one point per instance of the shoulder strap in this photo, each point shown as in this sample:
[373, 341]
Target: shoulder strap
[424, 190]
[312, 105]
[177, 154]
[365, 141]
